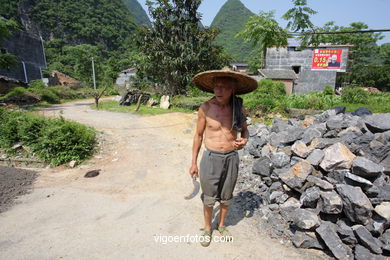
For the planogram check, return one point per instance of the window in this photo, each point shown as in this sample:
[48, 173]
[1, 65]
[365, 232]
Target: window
[296, 69]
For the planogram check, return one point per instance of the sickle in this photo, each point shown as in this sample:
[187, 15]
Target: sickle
[195, 190]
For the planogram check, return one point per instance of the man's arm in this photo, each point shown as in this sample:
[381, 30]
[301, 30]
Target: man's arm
[198, 138]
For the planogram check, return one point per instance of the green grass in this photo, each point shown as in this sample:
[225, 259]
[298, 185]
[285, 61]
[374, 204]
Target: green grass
[113, 106]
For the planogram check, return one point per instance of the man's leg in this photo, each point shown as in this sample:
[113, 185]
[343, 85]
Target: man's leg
[208, 213]
[222, 214]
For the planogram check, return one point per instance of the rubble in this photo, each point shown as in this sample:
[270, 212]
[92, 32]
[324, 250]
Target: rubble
[327, 178]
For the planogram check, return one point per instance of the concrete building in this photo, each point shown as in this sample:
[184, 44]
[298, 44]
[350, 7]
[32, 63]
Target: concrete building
[30, 53]
[125, 76]
[239, 66]
[314, 67]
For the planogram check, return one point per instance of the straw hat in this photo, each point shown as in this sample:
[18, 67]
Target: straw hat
[205, 80]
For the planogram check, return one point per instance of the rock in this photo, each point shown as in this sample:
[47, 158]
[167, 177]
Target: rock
[296, 175]
[164, 102]
[385, 238]
[262, 166]
[72, 163]
[377, 123]
[339, 109]
[362, 182]
[357, 207]
[267, 150]
[366, 239]
[280, 159]
[337, 122]
[328, 234]
[346, 233]
[151, 102]
[278, 197]
[337, 156]
[276, 186]
[294, 122]
[306, 240]
[383, 210]
[308, 121]
[331, 202]
[300, 149]
[316, 157]
[366, 168]
[131, 97]
[321, 143]
[291, 203]
[305, 219]
[278, 125]
[350, 131]
[362, 253]
[310, 134]
[361, 111]
[292, 134]
[320, 183]
[310, 197]
[377, 225]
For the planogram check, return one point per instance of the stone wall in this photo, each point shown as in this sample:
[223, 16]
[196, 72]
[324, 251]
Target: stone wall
[29, 50]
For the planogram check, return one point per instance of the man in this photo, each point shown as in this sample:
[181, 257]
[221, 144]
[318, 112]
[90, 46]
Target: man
[333, 61]
[219, 121]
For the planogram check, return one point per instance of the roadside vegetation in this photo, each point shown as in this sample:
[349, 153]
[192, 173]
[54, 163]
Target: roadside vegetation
[54, 140]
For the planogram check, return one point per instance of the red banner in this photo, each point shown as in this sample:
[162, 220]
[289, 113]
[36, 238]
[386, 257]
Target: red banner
[326, 59]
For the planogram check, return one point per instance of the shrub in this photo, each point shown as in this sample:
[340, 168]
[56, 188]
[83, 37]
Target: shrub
[191, 103]
[355, 95]
[55, 141]
[63, 141]
[328, 91]
[36, 84]
[47, 94]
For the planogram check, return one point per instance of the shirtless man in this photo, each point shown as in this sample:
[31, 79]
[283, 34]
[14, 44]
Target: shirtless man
[219, 163]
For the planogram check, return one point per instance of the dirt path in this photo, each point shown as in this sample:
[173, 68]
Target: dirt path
[137, 197]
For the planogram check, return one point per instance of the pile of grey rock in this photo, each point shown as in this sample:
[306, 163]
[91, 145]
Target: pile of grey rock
[322, 182]
[131, 97]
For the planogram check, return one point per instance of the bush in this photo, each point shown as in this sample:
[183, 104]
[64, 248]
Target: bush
[355, 95]
[36, 84]
[47, 94]
[56, 141]
[191, 103]
[328, 91]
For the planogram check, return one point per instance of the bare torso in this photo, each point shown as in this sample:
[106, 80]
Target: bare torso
[218, 135]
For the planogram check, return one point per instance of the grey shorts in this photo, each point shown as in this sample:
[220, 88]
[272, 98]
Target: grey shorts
[218, 176]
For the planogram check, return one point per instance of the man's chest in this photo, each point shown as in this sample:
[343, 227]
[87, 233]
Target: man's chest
[216, 119]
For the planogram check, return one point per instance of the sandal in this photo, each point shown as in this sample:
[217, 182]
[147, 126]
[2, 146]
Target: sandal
[225, 233]
[206, 238]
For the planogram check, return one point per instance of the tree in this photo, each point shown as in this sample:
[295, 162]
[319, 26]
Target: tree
[174, 47]
[263, 30]
[299, 16]
[7, 60]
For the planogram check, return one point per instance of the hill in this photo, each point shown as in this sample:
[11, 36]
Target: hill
[231, 19]
[139, 14]
[96, 22]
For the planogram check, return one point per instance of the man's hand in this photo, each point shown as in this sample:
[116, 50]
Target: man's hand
[239, 143]
[194, 172]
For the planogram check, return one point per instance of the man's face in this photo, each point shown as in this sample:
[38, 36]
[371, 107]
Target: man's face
[223, 89]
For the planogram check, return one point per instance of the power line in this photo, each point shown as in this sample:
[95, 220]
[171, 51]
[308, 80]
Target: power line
[356, 31]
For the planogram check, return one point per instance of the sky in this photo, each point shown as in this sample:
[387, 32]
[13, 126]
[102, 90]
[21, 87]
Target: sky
[374, 13]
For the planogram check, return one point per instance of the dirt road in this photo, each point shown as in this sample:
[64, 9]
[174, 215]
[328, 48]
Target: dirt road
[136, 200]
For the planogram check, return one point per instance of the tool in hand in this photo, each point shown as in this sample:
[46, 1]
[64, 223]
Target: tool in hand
[195, 190]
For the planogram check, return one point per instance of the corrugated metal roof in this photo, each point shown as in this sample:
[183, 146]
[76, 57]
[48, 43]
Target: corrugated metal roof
[278, 74]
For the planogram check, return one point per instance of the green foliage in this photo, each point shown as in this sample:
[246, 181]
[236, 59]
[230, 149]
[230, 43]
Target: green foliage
[266, 97]
[7, 60]
[175, 48]
[113, 106]
[328, 90]
[56, 141]
[263, 30]
[190, 103]
[136, 10]
[36, 84]
[299, 17]
[230, 20]
[354, 95]
[312, 100]
[47, 94]
[107, 23]
[9, 9]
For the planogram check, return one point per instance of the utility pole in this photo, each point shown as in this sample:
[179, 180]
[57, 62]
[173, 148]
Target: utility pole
[93, 74]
